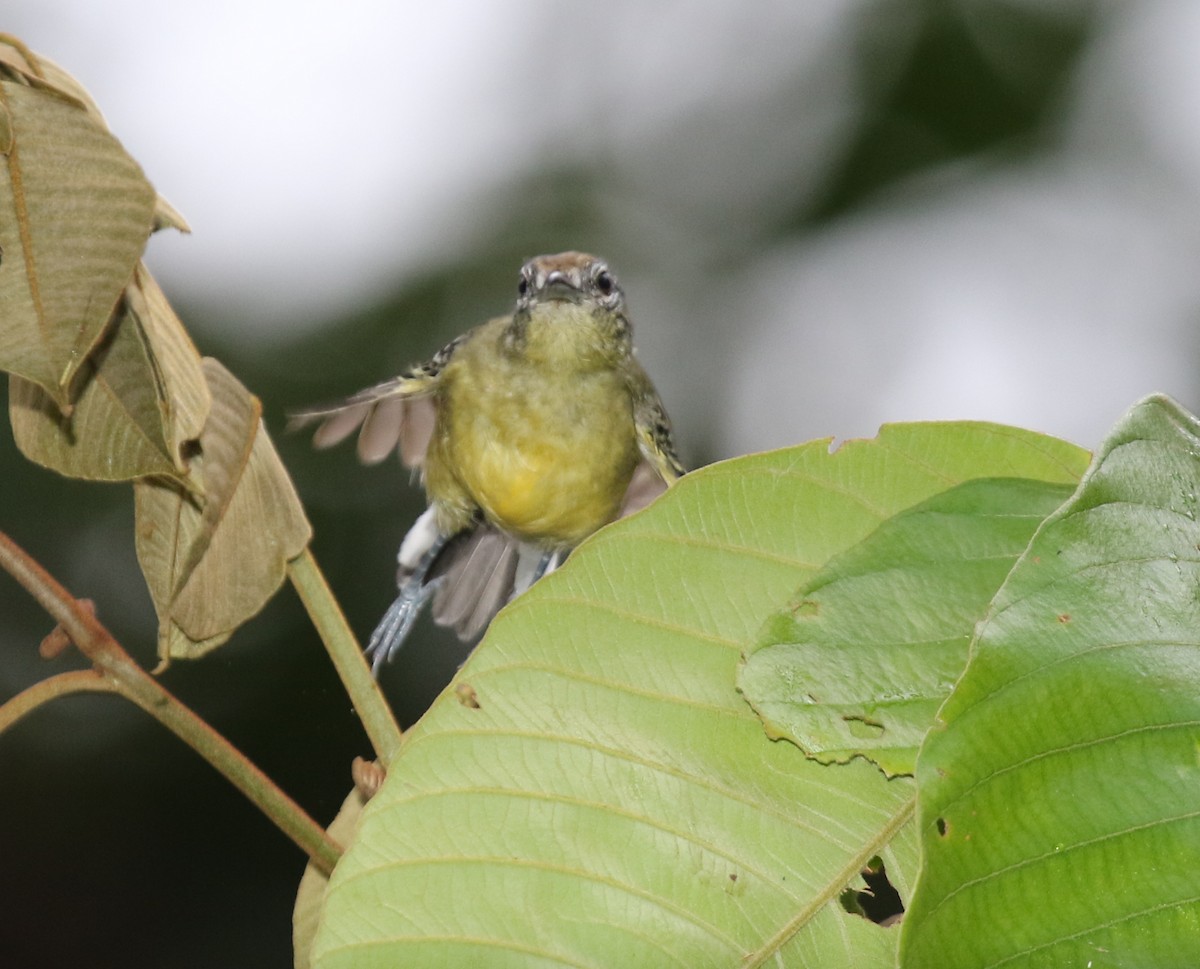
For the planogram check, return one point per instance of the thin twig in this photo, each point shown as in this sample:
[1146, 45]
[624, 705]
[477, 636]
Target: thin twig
[347, 656]
[64, 684]
[122, 675]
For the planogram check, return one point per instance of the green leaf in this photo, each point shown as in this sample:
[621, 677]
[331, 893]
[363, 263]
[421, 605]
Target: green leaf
[861, 660]
[142, 396]
[593, 790]
[310, 897]
[75, 213]
[1060, 795]
[213, 560]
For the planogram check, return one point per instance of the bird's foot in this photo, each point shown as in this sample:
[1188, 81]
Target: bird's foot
[397, 623]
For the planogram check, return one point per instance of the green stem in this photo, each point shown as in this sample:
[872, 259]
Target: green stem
[64, 684]
[288, 816]
[346, 655]
[122, 675]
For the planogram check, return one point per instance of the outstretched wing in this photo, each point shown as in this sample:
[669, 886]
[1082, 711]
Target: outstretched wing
[396, 413]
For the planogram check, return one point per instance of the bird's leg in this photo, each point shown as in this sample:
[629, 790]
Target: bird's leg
[397, 622]
[547, 563]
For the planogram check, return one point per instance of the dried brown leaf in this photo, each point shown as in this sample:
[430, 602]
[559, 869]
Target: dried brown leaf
[75, 213]
[142, 396]
[213, 561]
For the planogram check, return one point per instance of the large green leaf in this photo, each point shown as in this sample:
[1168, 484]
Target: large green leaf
[310, 898]
[593, 791]
[75, 213]
[861, 660]
[1060, 795]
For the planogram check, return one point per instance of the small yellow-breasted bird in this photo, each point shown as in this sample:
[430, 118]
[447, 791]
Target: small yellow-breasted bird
[530, 432]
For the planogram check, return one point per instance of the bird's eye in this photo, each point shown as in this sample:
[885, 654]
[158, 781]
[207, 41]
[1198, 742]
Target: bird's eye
[523, 286]
[605, 283]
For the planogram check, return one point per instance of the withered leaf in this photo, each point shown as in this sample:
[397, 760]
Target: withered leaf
[75, 213]
[141, 397]
[213, 559]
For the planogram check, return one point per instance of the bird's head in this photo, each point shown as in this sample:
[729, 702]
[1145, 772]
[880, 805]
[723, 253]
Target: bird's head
[570, 304]
[572, 277]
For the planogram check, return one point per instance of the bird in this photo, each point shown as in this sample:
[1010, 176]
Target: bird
[529, 432]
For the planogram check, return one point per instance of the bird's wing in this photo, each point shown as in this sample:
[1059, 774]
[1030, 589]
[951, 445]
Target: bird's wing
[396, 413]
[659, 465]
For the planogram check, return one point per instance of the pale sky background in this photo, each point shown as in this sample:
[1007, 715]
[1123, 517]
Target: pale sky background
[325, 152]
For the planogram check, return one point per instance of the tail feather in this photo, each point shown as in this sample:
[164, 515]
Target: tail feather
[475, 575]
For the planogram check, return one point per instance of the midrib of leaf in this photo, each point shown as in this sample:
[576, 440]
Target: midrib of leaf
[131, 419]
[835, 886]
[24, 229]
[178, 579]
[218, 500]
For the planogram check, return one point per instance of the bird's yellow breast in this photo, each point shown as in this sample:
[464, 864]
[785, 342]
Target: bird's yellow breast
[543, 492]
[545, 452]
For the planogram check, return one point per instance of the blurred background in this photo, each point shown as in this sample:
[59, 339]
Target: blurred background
[827, 216]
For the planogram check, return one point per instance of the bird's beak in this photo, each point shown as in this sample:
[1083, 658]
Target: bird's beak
[559, 286]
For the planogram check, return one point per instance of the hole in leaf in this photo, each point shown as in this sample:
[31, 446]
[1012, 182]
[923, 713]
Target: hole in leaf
[863, 728]
[849, 901]
[878, 901]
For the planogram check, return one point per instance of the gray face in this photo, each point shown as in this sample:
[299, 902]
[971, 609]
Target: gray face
[574, 277]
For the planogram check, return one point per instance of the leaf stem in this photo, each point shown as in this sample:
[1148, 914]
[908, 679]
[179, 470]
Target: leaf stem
[64, 684]
[347, 656]
[115, 671]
